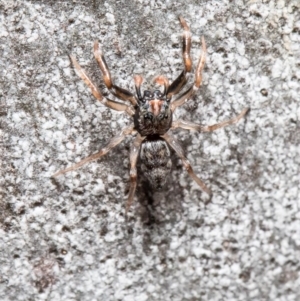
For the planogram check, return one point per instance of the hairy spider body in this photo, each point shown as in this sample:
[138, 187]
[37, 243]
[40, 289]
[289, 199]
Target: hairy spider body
[153, 115]
[153, 118]
[156, 162]
[153, 121]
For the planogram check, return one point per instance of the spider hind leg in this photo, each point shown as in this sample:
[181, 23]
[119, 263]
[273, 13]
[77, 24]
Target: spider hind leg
[174, 144]
[112, 143]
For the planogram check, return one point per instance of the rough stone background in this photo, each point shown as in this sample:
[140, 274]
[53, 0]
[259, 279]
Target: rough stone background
[67, 239]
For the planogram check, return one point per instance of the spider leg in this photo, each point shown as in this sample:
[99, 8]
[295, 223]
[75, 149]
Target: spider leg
[173, 142]
[162, 80]
[112, 143]
[181, 80]
[118, 106]
[134, 152]
[119, 92]
[138, 80]
[197, 127]
[198, 80]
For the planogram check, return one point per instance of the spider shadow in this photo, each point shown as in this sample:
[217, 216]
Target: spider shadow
[155, 205]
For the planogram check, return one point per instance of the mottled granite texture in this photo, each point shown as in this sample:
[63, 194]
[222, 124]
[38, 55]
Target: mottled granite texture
[68, 239]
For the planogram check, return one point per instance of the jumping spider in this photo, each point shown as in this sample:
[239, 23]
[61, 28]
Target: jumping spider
[152, 114]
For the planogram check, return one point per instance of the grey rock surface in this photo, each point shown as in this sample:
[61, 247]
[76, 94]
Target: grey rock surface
[67, 238]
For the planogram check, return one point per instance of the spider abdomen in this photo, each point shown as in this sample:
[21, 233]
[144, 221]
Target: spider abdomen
[156, 162]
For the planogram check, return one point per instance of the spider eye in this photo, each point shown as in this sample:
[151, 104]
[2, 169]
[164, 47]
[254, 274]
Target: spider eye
[147, 94]
[157, 94]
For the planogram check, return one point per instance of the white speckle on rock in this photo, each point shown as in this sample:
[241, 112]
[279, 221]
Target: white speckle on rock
[70, 145]
[280, 4]
[230, 25]
[244, 63]
[277, 68]
[89, 259]
[240, 46]
[225, 282]
[48, 124]
[141, 297]
[110, 18]
[174, 244]
[18, 116]
[25, 144]
[99, 188]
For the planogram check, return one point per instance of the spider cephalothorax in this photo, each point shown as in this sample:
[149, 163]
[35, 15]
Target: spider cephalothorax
[152, 114]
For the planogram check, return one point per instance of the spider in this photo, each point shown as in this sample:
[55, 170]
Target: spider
[152, 113]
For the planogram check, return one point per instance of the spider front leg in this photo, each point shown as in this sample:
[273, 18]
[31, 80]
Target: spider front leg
[173, 142]
[113, 142]
[107, 102]
[134, 152]
[181, 80]
[197, 83]
[200, 128]
[119, 92]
